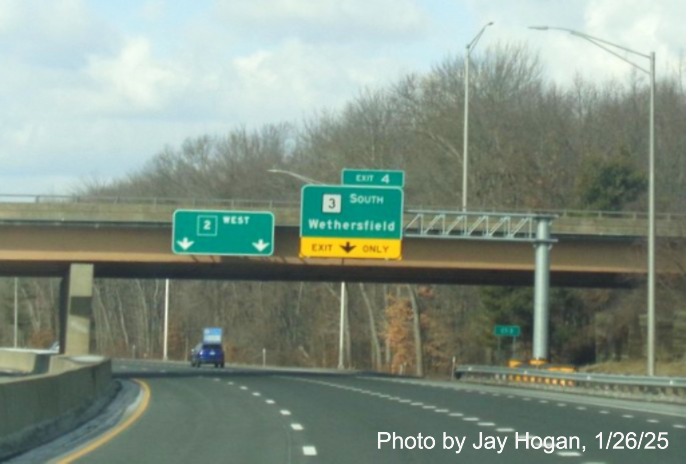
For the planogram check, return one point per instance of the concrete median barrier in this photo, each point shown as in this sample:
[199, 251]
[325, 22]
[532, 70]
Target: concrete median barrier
[37, 408]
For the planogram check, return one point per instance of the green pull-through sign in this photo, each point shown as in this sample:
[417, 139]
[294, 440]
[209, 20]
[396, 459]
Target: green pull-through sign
[230, 233]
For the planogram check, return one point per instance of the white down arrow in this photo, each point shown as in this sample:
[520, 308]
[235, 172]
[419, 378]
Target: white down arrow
[185, 243]
[260, 245]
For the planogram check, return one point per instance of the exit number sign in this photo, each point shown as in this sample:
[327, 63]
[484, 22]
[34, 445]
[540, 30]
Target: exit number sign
[373, 177]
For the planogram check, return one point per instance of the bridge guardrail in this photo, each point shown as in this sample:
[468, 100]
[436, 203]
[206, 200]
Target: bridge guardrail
[668, 389]
[238, 203]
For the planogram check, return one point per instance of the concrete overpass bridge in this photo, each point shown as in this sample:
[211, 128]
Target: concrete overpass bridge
[87, 238]
[132, 238]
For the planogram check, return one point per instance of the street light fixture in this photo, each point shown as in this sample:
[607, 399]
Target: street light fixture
[605, 45]
[342, 294]
[302, 178]
[469, 47]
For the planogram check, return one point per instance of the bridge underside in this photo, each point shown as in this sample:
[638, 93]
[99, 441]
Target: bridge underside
[144, 251]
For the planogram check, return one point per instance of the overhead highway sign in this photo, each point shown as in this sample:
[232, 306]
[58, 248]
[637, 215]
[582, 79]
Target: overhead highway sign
[229, 233]
[351, 222]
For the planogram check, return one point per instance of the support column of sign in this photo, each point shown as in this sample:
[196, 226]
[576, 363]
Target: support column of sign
[76, 314]
[541, 297]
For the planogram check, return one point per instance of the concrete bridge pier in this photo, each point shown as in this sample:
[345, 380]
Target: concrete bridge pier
[76, 310]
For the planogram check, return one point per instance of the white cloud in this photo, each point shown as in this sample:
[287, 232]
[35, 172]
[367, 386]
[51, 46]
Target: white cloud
[293, 80]
[54, 34]
[152, 10]
[326, 20]
[93, 89]
[134, 80]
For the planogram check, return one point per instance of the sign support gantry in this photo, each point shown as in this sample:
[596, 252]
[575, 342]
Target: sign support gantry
[511, 227]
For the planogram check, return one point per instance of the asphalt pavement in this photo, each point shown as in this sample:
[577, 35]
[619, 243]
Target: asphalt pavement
[241, 415]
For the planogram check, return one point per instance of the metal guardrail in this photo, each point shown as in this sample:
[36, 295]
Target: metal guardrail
[671, 389]
[269, 204]
[148, 201]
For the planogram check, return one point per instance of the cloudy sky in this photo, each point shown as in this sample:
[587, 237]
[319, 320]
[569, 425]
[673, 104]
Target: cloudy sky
[92, 89]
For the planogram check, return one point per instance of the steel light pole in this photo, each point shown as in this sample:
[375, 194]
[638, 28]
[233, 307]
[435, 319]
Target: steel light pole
[16, 311]
[166, 321]
[342, 294]
[605, 45]
[469, 47]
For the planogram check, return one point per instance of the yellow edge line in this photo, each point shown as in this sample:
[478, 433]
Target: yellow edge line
[112, 433]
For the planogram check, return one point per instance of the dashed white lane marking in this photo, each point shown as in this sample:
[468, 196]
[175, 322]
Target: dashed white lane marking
[270, 401]
[310, 451]
[297, 427]
[679, 426]
[216, 379]
[243, 387]
[255, 394]
[285, 412]
[653, 421]
[230, 383]
[627, 416]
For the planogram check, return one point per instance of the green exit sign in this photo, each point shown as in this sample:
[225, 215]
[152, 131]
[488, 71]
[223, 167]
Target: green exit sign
[380, 178]
[507, 330]
[351, 212]
[229, 233]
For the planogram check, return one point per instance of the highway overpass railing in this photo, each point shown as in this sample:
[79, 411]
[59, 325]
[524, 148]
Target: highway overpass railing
[664, 389]
[160, 209]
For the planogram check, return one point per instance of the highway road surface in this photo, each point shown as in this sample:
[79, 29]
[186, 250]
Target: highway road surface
[240, 415]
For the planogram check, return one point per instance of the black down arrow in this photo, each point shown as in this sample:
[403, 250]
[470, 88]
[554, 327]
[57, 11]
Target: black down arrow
[348, 247]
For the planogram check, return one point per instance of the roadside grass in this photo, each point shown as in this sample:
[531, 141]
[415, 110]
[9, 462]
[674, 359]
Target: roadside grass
[637, 367]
